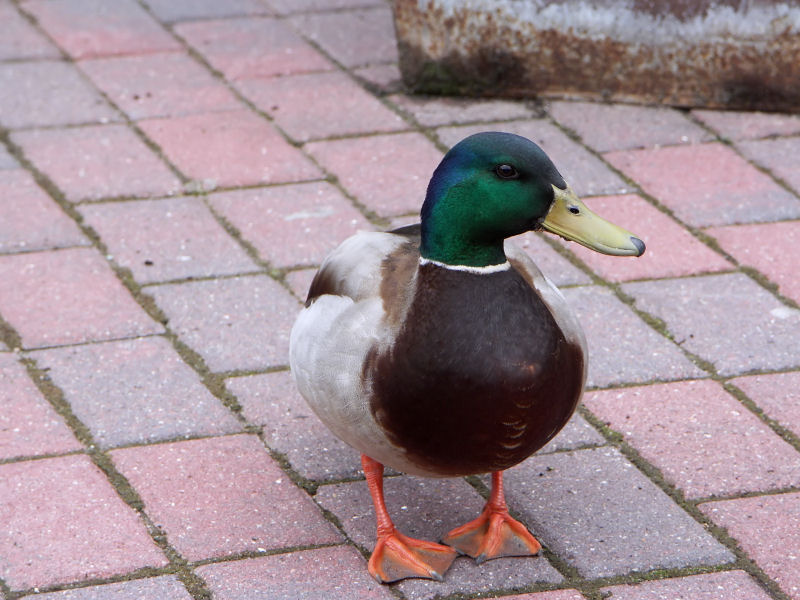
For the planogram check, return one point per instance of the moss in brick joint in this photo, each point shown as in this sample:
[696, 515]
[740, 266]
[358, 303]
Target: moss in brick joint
[9, 335]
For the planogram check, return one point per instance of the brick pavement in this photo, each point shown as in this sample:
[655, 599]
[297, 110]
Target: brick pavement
[170, 173]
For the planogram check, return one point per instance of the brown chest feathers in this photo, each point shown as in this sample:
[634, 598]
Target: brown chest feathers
[480, 376]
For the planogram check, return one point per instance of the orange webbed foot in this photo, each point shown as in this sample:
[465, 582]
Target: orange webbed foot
[397, 556]
[495, 532]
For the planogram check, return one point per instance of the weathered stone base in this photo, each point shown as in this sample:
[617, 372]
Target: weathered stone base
[715, 53]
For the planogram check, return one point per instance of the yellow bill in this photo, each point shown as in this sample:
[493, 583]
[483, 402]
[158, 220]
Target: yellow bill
[572, 220]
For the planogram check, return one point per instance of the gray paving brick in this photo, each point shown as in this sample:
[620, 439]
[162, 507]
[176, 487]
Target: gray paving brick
[435, 111]
[599, 513]
[46, 93]
[184, 10]
[622, 347]
[238, 323]
[710, 586]
[428, 509]
[354, 38]
[621, 126]
[6, 160]
[135, 391]
[553, 595]
[166, 587]
[577, 433]
[292, 428]
[727, 319]
[20, 38]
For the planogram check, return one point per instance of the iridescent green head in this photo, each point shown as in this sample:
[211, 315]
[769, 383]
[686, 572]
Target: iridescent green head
[491, 186]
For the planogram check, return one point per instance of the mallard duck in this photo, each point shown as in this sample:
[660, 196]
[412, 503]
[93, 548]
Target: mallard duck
[441, 350]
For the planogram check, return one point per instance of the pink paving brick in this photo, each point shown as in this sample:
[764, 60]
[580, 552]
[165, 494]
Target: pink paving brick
[28, 424]
[671, 250]
[166, 587]
[63, 522]
[703, 440]
[229, 149]
[67, 297]
[135, 391]
[181, 10]
[86, 28]
[291, 427]
[20, 39]
[159, 85]
[241, 323]
[387, 173]
[435, 111]
[765, 528]
[320, 105]
[252, 47]
[159, 240]
[45, 93]
[291, 224]
[607, 127]
[748, 125]
[769, 248]
[103, 161]
[354, 38]
[710, 586]
[29, 219]
[778, 395]
[779, 156]
[707, 184]
[222, 496]
[586, 173]
[337, 573]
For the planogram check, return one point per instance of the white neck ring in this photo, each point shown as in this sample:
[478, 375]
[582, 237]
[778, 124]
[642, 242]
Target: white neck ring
[503, 266]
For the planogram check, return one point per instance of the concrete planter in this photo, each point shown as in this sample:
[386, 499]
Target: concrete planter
[714, 53]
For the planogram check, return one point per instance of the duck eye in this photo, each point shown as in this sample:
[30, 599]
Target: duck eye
[506, 171]
[574, 210]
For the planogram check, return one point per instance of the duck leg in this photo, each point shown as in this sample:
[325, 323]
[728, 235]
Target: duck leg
[397, 556]
[494, 533]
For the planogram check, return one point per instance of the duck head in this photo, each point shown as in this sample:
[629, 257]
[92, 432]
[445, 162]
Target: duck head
[491, 186]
